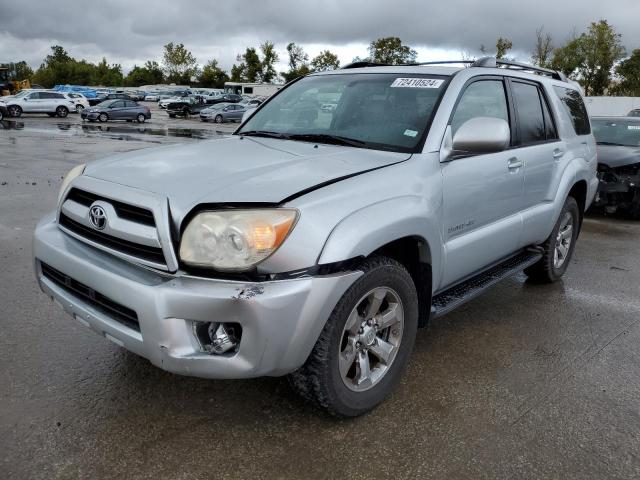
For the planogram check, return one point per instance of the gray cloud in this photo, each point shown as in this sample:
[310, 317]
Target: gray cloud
[130, 32]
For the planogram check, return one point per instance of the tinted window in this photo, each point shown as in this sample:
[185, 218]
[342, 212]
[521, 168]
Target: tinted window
[529, 113]
[130, 104]
[549, 126]
[34, 96]
[572, 100]
[485, 98]
[248, 89]
[118, 104]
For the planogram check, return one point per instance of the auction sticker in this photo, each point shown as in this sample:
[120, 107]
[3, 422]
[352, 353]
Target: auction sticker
[416, 83]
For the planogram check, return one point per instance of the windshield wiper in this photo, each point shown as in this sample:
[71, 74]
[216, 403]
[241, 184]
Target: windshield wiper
[263, 133]
[327, 138]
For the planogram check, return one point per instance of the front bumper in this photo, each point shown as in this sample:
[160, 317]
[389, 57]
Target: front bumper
[89, 115]
[281, 320]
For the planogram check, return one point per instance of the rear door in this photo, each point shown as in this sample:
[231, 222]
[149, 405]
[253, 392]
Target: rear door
[483, 193]
[540, 149]
[130, 109]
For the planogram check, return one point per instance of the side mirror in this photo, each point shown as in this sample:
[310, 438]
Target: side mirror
[482, 135]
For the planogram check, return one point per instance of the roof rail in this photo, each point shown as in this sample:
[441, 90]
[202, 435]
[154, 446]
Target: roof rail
[492, 62]
[486, 62]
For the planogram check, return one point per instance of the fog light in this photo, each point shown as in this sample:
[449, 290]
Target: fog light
[217, 338]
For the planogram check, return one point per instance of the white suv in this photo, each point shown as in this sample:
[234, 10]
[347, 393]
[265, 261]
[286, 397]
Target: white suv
[79, 100]
[40, 101]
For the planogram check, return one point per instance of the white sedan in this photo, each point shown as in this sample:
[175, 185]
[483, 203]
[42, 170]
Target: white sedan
[79, 100]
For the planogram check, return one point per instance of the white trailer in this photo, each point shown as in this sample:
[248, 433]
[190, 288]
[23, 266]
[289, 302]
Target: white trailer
[261, 89]
[611, 106]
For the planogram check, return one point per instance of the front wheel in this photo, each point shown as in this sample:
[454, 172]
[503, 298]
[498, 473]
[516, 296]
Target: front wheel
[103, 117]
[14, 111]
[558, 248]
[219, 119]
[62, 112]
[365, 345]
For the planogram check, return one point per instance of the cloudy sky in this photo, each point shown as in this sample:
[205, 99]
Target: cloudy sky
[132, 31]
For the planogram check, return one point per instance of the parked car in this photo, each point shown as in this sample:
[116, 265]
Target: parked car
[315, 244]
[40, 101]
[166, 100]
[251, 103]
[618, 140]
[223, 112]
[226, 98]
[117, 110]
[152, 97]
[80, 101]
[166, 94]
[634, 113]
[186, 106]
[3, 110]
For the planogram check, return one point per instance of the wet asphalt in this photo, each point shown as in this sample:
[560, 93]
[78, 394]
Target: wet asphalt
[526, 381]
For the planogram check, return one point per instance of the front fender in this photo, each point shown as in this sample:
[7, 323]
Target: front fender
[367, 229]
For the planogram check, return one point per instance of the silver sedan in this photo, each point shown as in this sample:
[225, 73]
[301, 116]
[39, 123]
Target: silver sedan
[223, 112]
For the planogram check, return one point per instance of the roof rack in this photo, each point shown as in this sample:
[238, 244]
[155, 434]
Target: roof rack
[486, 62]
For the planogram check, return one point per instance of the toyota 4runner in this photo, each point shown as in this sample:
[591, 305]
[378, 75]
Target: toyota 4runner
[314, 242]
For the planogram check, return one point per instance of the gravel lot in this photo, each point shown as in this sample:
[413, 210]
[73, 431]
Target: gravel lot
[524, 382]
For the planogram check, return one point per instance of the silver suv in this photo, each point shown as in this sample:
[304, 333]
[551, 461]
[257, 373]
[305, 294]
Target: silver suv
[314, 242]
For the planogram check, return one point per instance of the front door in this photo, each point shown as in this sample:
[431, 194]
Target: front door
[482, 194]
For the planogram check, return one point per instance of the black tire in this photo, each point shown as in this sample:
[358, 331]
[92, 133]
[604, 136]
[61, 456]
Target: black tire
[219, 119]
[51, 115]
[1, 116]
[319, 380]
[172, 115]
[14, 111]
[141, 118]
[186, 112]
[103, 117]
[62, 112]
[545, 270]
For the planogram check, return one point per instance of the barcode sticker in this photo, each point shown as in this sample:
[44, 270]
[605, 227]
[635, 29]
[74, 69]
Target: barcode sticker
[416, 83]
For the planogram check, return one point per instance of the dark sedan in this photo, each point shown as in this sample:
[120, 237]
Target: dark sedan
[618, 140]
[188, 106]
[117, 110]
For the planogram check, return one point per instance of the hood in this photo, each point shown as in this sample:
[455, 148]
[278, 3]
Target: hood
[237, 170]
[615, 156]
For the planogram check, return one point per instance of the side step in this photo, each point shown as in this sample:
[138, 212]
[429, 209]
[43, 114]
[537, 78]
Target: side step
[455, 296]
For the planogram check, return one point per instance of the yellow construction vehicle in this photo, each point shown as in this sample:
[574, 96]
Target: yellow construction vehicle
[8, 86]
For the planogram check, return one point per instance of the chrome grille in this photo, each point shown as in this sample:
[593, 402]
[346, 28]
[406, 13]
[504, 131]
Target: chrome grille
[130, 230]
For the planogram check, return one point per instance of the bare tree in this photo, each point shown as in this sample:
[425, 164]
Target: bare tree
[543, 49]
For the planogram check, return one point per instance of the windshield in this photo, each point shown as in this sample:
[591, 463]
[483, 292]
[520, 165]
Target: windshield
[383, 111]
[616, 132]
[21, 93]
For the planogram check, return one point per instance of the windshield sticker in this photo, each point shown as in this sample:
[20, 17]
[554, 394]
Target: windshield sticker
[633, 127]
[411, 133]
[416, 83]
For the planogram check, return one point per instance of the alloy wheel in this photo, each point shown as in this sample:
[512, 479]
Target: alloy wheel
[563, 240]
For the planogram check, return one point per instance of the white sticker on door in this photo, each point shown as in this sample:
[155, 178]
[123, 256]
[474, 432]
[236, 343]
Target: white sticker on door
[416, 83]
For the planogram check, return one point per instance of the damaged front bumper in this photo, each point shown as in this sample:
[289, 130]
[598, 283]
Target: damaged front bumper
[280, 320]
[619, 190]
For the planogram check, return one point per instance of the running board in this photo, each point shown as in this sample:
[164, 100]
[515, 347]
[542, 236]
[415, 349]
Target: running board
[469, 289]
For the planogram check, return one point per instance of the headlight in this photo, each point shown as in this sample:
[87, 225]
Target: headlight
[68, 178]
[235, 239]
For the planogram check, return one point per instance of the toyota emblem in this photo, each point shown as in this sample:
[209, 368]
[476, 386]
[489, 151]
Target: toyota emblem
[98, 217]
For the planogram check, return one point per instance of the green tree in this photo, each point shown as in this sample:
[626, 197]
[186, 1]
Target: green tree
[590, 57]
[269, 58]
[543, 49]
[212, 76]
[249, 68]
[23, 70]
[149, 74]
[326, 60]
[178, 63]
[390, 50]
[628, 72]
[503, 45]
[105, 74]
[298, 63]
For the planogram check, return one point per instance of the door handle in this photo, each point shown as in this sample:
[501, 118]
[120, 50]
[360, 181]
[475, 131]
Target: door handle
[557, 153]
[514, 164]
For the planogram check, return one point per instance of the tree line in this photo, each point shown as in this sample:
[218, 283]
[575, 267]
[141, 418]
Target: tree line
[595, 58]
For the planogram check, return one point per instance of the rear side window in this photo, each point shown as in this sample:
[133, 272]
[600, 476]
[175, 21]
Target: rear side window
[484, 98]
[529, 113]
[34, 96]
[572, 101]
[129, 103]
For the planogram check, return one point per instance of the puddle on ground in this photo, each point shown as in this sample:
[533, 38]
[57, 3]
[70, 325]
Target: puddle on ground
[120, 132]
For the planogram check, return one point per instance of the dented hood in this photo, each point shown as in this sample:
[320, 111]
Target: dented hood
[237, 170]
[615, 156]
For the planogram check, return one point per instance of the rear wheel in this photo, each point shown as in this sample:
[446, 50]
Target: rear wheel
[79, 108]
[185, 112]
[365, 345]
[141, 118]
[14, 111]
[558, 248]
[62, 112]
[103, 117]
